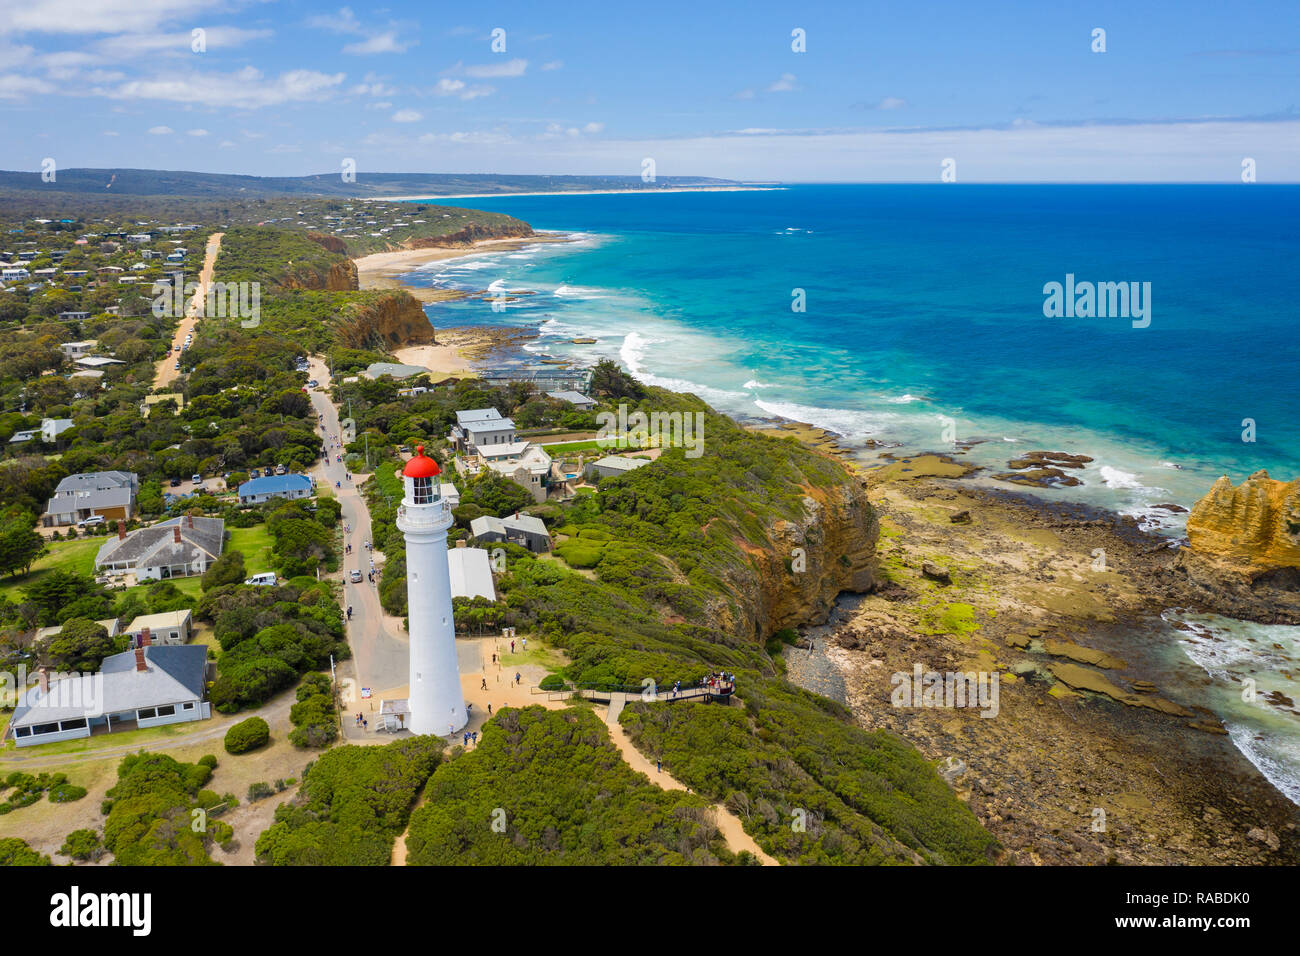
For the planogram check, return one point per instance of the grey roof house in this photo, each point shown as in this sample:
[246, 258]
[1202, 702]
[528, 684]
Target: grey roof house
[145, 687]
[481, 427]
[611, 466]
[176, 548]
[525, 530]
[108, 493]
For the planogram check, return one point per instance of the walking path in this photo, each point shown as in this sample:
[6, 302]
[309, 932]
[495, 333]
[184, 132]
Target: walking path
[166, 372]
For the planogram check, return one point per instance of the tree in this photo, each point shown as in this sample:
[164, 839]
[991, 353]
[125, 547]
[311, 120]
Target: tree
[227, 569]
[20, 545]
[56, 590]
[82, 645]
[608, 380]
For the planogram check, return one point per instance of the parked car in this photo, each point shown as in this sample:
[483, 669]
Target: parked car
[175, 482]
[356, 576]
[255, 473]
[264, 579]
[99, 519]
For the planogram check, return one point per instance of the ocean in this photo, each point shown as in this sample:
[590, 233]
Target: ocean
[923, 319]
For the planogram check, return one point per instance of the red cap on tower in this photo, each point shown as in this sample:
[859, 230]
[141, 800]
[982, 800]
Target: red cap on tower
[421, 466]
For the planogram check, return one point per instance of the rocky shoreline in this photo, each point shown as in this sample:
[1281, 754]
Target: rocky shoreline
[1098, 753]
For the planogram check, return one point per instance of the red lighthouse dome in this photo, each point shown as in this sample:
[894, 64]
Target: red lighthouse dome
[421, 466]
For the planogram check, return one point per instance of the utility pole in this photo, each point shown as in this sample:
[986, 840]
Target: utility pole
[367, 437]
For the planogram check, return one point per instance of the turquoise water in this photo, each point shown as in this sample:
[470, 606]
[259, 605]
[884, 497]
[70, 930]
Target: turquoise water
[925, 303]
[924, 307]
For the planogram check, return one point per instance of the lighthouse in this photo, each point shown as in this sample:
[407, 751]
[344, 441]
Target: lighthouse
[435, 700]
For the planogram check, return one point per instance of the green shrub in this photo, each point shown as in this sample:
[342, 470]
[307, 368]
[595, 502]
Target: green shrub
[66, 793]
[83, 845]
[247, 735]
[552, 682]
[209, 760]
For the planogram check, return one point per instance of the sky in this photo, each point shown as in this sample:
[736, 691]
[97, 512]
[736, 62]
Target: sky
[1179, 91]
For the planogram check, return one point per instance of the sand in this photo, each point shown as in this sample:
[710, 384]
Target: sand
[380, 270]
[439, 359]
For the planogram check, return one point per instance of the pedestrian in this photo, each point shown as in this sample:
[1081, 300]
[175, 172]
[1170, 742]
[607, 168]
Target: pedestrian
[494, 658]
[468, 709]
[365, 724]
[489, 710]
[659, 766]
[512, 647]
[517, 678]
[484, 687]
[467, 738]
[475, 736]
[525, 643]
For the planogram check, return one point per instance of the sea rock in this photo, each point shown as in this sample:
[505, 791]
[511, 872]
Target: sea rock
[1035, 459]
[1264, 835]
[961, 517]
[1040, 478]
[1254, 526]
[936, 572]
[1243, 553]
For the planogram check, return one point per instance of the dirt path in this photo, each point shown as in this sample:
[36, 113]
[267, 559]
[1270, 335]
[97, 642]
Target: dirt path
[732, 829]
[166, 372]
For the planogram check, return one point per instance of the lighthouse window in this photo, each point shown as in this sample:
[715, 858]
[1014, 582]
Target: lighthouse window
[422, 491]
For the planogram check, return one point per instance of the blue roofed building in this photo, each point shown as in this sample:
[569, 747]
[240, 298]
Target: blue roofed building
[256, 490]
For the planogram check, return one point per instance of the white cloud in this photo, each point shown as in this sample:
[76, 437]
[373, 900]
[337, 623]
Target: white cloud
[176, 43]
[553, 65]
[97, 16]
[246, 88]
[743, 95]
[891, 103]
[13, 86]
[593, 128]
[460, 89]
[226, 144]
[379, 43]
[160, 130]
[784, 85]
[407, 116]
[196, 132]
[510, 68]
[345, 21]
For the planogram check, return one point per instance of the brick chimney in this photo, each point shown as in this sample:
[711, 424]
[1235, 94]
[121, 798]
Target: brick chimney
[139, 660]
[145, 639]
[176, 533]
[43, 678]
[189, 521]
[121, 531]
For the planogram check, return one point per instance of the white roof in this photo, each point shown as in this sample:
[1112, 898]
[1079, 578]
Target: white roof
[504, 450]
[158, 622]
[620, 462]
[477, 415]
[471, 573]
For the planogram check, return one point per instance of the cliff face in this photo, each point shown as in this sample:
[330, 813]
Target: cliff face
[1243, 557]
[807, 563]
[341, 277]
[387, 321]
[471, 234]
[1255, 526]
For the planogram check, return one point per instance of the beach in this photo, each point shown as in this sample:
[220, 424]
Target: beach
[380, 270]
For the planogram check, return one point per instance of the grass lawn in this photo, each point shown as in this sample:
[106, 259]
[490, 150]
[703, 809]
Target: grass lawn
[77, 555]
[255, 544]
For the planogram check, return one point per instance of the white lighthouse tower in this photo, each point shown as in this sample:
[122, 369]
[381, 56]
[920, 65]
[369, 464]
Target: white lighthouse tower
[435, 699]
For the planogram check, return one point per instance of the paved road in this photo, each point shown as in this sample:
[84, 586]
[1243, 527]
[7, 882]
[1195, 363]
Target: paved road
[379, 646]
[166, 372]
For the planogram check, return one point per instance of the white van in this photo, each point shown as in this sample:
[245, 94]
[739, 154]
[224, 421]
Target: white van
[265, 578]
[91, 521]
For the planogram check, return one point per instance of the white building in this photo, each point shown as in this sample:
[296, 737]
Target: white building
[471, 573]
[435, 702]
[146, 687]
